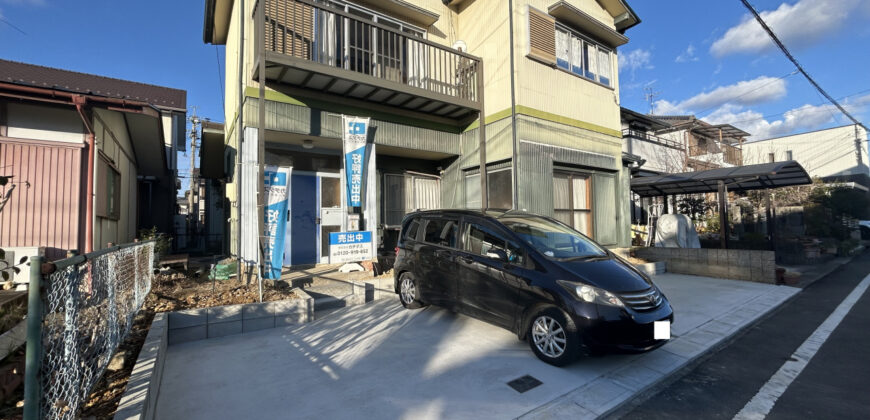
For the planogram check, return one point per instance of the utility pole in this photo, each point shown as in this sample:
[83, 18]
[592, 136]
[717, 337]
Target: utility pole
[193, 191]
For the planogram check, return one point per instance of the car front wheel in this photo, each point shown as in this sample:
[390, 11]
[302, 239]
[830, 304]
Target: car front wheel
[409, 293]
[553, 337]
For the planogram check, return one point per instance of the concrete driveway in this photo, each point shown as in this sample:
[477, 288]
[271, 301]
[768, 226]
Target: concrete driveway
[381, 361]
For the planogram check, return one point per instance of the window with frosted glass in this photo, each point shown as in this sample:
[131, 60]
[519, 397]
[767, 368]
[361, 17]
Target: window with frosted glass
[563, 49]
[604, 66]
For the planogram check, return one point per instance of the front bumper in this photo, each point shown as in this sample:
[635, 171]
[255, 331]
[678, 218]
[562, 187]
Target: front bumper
[618, 329]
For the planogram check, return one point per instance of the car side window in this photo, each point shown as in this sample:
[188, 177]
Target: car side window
[480, 240]
[441, 232]
[411, 230]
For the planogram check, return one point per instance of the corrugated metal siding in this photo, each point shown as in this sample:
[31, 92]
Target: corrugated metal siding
[499, 143]
[303, 120]
[556, 134]
[249, 216]
[604, 209]
[535, 172]
[48, 212]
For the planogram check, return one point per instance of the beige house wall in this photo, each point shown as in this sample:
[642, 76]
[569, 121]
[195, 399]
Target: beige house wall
[113, 142]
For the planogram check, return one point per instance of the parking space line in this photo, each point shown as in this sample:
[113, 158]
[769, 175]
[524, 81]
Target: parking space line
[761, 404]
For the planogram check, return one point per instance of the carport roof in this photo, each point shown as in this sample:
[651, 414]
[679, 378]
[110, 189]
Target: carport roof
[740, 178]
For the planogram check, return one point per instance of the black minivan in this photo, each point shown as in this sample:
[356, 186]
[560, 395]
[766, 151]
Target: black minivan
[532, 275]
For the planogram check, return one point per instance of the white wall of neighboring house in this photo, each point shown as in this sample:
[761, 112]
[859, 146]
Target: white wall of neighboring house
[659, 158]
[823, 153]
[44, 123]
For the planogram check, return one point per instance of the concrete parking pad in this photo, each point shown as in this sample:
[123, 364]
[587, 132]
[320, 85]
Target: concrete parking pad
[382, 361]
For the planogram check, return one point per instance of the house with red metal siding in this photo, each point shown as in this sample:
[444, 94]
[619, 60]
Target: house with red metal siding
[92, 158]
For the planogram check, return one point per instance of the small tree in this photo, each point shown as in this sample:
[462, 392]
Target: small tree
[694, 207]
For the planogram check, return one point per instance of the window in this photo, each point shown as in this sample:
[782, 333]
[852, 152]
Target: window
[441, 232]
[481, 240]
[499, 183]
[771, 157]
[581, 56]
[411, 229]
[572, 201]
[552, 239]
[788, 155]
[108, 194]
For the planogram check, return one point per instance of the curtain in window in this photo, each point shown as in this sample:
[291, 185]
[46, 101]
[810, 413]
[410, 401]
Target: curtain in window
[591, 58]
[563, 49]
[604, 66]
[577, 56]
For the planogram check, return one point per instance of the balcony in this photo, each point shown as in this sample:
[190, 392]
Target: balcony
[316, 51]
[729, 154]
[644, 136]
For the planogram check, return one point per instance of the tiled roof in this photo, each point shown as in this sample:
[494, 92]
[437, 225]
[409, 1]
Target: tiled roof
[90, 84]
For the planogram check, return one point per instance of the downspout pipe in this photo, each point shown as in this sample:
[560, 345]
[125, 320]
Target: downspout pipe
[80, 103]
[240, 127]
[515, 176]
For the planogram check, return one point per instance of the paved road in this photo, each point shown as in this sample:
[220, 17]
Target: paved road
[835, 383]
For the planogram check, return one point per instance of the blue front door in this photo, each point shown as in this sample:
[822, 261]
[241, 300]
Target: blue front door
[303, 220]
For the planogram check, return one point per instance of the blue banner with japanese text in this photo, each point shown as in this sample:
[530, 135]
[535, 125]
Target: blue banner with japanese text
[277, 189]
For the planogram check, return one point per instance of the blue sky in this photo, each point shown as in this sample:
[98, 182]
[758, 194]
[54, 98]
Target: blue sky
[701, 57]
[710, 59]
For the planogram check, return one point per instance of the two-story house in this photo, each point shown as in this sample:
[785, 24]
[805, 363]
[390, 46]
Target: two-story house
[533, 81]
[708, 146]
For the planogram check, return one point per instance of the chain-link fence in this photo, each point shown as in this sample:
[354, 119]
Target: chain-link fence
[88, 305]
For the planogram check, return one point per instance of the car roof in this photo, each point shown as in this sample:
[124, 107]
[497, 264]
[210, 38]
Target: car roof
[491, 213]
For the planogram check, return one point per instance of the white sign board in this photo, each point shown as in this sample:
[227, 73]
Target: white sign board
[347, 247]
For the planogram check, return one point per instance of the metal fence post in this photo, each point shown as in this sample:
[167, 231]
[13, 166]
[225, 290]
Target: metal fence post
[33, 350]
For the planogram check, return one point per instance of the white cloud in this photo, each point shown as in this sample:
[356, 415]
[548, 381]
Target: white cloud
[688, 55]
[803, 118]
[634, 60]
[800, 24]
[747, 92]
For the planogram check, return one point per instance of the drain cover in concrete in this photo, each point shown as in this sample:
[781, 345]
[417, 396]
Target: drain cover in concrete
[524, 383]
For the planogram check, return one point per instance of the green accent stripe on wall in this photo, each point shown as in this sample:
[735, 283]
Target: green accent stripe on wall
[547, 116]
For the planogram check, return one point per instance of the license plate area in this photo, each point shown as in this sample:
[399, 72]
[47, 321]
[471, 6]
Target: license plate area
[662, 330]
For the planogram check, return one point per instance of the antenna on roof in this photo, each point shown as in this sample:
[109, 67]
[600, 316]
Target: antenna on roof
[650, 96]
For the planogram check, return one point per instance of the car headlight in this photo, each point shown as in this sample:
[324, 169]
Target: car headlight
[591, 294]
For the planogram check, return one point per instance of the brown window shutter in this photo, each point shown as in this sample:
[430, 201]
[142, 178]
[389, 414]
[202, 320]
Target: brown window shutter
[542, 36]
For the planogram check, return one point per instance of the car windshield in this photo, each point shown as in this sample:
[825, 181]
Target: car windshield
[553, 239]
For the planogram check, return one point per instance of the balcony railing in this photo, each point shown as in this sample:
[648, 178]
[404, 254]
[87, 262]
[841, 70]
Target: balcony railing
[730, 154]
[337, 40]
[643, 135]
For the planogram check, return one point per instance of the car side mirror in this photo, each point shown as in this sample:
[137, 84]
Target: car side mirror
[497, 254]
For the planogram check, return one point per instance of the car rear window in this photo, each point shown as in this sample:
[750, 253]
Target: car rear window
[441, 232]
[411, 229]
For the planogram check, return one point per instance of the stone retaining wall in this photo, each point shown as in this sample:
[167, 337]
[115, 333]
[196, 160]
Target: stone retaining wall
[737, 264]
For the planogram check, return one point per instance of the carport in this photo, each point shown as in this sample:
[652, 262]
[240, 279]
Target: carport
[763, 176]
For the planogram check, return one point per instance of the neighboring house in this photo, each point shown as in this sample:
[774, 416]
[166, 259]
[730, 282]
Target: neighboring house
[836, 154]
[659, 154]
[708, 146]
[424, 73]
[93, 158]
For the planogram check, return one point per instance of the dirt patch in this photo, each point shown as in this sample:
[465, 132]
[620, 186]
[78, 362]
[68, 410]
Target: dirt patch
[171, 291]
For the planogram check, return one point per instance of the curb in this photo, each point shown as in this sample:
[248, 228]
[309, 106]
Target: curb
[654, 388]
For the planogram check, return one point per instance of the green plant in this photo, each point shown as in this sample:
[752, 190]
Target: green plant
[694, 207]
[162, 242]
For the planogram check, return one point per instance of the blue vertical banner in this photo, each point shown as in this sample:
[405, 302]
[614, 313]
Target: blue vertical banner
[355, 135]
[277, 189]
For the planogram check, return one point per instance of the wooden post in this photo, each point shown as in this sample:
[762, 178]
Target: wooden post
[723, 217]
[665, 208]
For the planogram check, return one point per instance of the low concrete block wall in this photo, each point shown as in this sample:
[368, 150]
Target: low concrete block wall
[219, 321]
[737, 264]
[140, 397]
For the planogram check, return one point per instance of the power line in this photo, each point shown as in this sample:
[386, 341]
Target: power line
[797, 64]
[3, 19]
